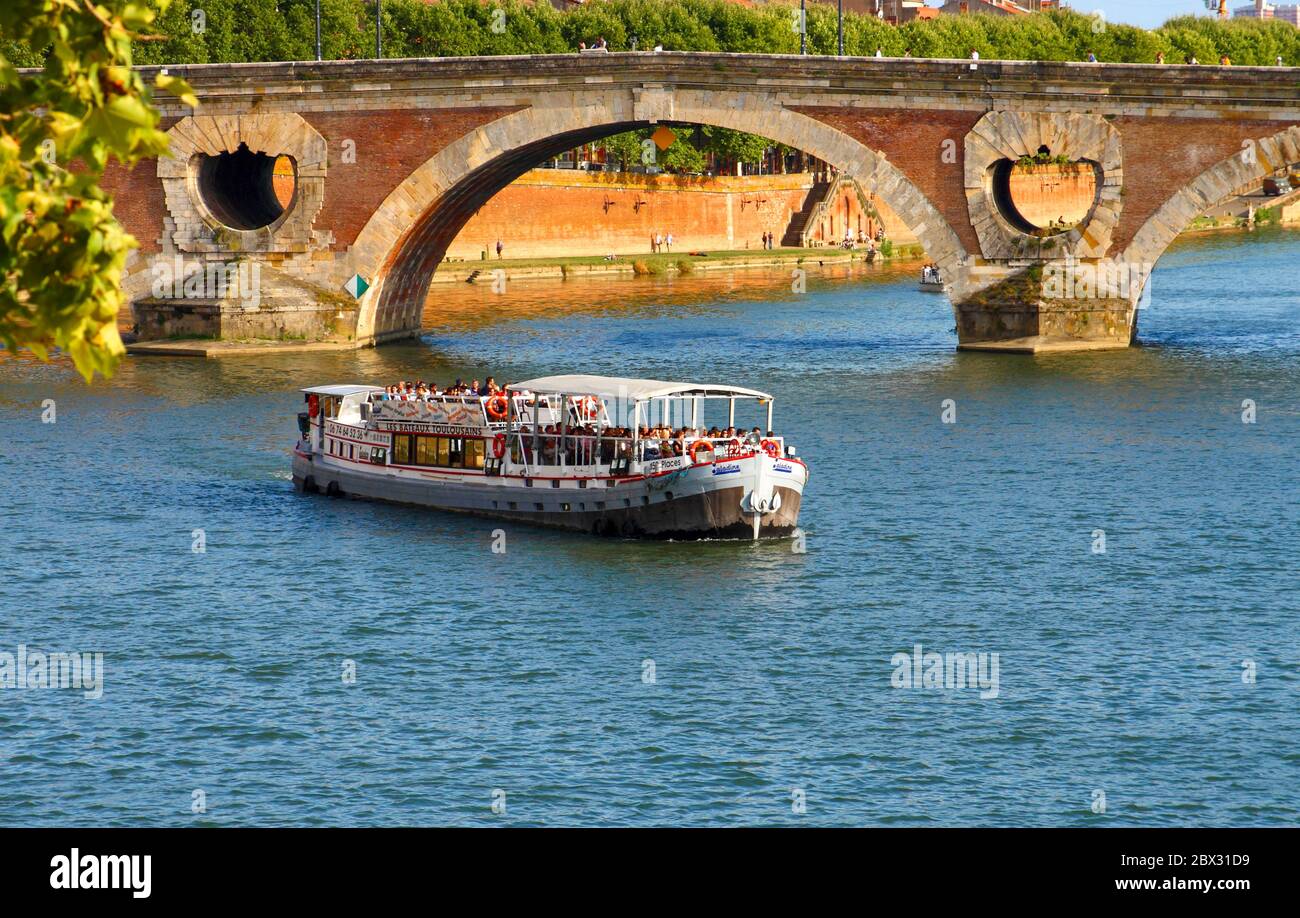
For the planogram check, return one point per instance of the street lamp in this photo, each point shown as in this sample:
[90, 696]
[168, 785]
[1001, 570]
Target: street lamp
[379, 30]
[803, 27]
[317, 29]
[839, 24]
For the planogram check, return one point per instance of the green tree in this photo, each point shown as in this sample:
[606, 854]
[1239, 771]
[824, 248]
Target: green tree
[62, 252]
[625, 148]
[735, 146]
[682, 155]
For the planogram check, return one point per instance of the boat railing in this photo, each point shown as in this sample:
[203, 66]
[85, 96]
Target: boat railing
[585, 451]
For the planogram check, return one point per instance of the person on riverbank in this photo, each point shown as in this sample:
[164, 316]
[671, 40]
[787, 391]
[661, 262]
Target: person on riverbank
[668, 242]
[658, 242]
[500, 248]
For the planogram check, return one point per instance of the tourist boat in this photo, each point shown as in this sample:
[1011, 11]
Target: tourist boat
[931, 281]
[541, 452]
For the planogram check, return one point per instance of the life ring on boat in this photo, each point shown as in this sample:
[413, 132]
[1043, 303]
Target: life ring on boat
[589, 408]
[313, 405]
[498, 407]
[499, 445]
[770, 447]
[697, 446]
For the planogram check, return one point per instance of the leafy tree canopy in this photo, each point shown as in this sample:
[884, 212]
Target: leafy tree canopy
[62, 253]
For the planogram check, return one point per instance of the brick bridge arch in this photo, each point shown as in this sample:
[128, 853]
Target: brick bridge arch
[402, 244]
[1217, 185]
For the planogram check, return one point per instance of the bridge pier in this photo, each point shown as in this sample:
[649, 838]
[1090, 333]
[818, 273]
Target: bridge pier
[1051, 308]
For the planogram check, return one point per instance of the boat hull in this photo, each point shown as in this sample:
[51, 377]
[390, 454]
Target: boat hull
[644, 508]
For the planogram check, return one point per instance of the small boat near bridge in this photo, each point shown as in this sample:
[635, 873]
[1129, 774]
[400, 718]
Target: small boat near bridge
[931, 279]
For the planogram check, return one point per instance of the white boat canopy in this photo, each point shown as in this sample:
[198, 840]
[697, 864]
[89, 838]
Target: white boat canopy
[615, 387]
[343, 390]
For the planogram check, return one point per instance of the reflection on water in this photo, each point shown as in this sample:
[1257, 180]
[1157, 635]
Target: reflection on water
[465, 307]
[1119, 671]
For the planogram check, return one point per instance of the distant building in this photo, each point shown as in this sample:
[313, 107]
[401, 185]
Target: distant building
[996, 7]
[901, 11]
[1000, 7]
[1264, 10]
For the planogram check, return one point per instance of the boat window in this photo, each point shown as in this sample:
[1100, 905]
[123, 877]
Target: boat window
[439, 452]
[402, 449]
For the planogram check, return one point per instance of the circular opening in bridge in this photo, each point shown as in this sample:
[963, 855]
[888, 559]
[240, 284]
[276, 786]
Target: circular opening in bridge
[1043, 194]
[246, 190]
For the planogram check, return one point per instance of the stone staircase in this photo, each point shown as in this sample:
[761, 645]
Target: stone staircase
[796, 231]
[814, 211]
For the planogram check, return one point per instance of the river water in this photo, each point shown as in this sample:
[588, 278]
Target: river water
[588, 681]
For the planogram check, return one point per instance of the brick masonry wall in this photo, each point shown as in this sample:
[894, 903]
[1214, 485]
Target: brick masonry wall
[1047, 193]
[550, 212]
[844, 211]
[390, 145]
[915, 143]
[138, 202]
[1161, 155]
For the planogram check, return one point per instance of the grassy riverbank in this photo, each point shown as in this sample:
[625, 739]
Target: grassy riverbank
[658, 264]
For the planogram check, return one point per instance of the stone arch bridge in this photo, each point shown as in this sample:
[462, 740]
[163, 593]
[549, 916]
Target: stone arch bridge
[392, 157]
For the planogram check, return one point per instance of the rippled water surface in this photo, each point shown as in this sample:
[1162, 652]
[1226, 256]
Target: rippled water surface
[1119, 673]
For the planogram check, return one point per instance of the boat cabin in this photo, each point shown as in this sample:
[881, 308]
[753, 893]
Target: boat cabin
[558, 427]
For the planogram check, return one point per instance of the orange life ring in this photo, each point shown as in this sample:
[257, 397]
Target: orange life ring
[498, 407]
[313, 405]
[697, 446]
[770, 447]
[499, 445]
[589, 408]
